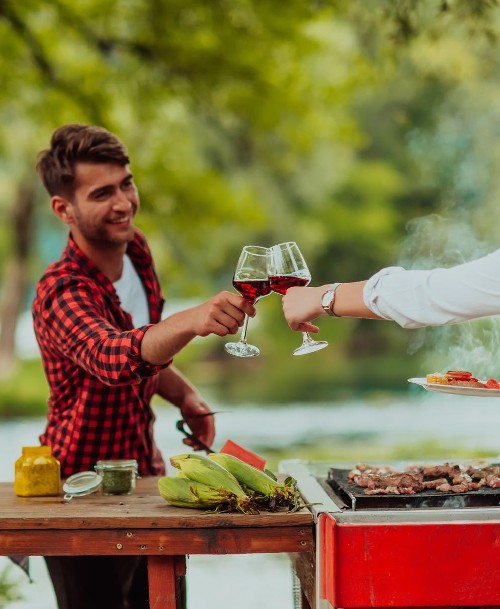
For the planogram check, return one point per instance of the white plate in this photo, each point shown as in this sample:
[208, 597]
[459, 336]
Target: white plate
[456, 389]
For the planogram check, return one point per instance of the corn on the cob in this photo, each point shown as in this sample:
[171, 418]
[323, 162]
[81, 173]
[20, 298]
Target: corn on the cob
[246, 474]
[267, 493]
[183, 492]
[206, 471]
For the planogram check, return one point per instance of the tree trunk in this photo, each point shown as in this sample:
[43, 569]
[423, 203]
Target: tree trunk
[16, 274]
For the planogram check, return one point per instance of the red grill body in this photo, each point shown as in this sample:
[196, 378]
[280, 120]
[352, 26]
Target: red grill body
[440, 557]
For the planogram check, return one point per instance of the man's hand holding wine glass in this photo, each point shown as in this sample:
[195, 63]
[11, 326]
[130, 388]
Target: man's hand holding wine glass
[222, 315]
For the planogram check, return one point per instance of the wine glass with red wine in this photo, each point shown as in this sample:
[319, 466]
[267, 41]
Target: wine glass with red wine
[287, 268]
[251, 280]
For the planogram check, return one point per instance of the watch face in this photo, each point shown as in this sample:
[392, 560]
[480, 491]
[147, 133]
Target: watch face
[326, 301]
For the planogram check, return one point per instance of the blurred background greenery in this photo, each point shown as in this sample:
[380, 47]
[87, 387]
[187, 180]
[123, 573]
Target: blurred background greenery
[367, 135]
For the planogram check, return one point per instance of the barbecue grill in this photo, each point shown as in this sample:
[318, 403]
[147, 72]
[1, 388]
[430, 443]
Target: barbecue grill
[431, 549]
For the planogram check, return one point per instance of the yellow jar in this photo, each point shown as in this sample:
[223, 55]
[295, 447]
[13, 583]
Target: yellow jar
[37, 473]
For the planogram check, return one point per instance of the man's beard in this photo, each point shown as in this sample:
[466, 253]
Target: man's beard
[100, 235]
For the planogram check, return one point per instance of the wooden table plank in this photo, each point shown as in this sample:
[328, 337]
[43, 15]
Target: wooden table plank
[164, 582]
[144, 509]
[69, 542]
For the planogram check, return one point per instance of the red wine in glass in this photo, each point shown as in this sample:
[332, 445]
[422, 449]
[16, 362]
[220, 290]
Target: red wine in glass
[252, 289]
[281, 283]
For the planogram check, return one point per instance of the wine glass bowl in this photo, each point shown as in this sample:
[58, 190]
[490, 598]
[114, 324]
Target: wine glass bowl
[287, 268]
[281, 283]
[251, 280]
[252, 289]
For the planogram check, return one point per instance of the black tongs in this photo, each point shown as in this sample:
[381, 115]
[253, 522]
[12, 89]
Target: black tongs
[189, 434]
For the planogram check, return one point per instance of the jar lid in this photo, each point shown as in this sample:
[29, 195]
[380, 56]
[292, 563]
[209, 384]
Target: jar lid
[117, 464]
[80, 484]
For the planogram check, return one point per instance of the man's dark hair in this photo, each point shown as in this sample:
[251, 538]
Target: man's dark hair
[72, 144]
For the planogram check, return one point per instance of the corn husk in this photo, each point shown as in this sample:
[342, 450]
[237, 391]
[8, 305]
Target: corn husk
[265, 491]
[205, 471]
[182, 492]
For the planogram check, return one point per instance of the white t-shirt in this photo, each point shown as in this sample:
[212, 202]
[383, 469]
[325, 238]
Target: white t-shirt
[132, 294]
[436, 297]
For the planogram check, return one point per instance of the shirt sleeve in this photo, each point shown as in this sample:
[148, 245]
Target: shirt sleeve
[76, 322]
[436, 297]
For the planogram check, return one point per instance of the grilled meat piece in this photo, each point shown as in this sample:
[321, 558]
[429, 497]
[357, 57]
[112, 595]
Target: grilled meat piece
[477, 473]
[441, 471]
[433, 484]
[459, 488]
[365, 468]
[402, 480]
[493, 481]
[445, 487]
[388, 490]
[453, 488]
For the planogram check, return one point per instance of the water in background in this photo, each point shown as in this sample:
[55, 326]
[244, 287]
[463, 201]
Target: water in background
[215, 582]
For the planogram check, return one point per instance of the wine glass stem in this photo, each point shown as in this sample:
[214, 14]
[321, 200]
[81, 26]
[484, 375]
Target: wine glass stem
[243, 338]
[306, 338]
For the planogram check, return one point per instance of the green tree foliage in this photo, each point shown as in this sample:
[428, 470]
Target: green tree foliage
[321, 122]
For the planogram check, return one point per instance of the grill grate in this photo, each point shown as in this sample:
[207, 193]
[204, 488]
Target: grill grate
[354, 496]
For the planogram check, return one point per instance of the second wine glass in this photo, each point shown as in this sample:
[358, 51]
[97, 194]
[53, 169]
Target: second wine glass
[287, 268]
[251, 280]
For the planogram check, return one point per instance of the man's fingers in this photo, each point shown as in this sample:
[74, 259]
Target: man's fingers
[224, 314]
[237, 303]
[229, 319]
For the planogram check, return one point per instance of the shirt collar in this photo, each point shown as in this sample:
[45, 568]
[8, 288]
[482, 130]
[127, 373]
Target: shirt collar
[139, 256]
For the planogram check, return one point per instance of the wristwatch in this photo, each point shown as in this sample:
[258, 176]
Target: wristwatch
[328, 299]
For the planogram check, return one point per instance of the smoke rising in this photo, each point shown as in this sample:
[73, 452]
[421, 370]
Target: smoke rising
[434, 241]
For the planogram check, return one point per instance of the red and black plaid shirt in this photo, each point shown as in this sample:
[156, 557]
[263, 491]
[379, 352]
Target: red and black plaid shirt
[100, 388]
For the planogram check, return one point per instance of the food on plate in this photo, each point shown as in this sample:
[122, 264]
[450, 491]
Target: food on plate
[436, 378]
[460, 378]
[459, 375]
[445, 477]
[463, 378]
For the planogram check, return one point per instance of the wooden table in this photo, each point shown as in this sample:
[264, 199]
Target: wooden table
[143, 524]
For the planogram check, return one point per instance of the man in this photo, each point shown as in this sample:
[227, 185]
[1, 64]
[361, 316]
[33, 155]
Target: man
[105, 350]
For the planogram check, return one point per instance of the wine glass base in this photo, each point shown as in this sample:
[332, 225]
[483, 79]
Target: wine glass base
[241, 349]
[310, 347]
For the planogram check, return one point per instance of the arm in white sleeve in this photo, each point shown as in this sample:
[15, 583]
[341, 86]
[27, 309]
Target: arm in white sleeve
[441, 296]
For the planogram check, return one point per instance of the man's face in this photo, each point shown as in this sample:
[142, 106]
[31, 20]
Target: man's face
[104, 204]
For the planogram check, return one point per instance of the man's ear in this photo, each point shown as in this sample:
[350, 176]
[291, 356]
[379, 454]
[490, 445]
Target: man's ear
[62, 208]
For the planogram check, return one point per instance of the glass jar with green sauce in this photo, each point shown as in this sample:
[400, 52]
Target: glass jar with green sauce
[37, 473]
[118, 476]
